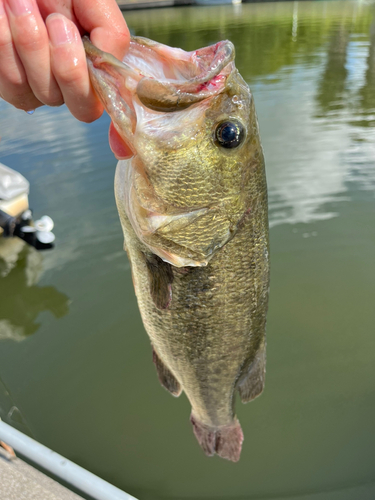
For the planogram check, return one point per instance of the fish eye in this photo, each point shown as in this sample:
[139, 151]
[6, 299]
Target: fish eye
[230, 134]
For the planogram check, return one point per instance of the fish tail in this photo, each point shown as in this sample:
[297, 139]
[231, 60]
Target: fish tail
[225, 441]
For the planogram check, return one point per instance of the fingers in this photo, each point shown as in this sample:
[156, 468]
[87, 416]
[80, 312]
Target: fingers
[43, 62]
[69, 67]
[65, 7]
[27, 51]
[14, 87]
[105, 23]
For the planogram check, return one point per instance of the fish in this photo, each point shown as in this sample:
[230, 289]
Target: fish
[191, 194]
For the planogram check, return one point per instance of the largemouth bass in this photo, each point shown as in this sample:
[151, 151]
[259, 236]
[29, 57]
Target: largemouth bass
[191, 194]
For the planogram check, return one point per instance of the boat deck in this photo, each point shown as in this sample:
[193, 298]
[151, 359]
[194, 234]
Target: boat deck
[21, 481]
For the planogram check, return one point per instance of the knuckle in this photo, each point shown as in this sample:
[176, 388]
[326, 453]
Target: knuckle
[14, 88]
[16, 91]
[72, 75]
[35, 43]
[5, 41]
[30, 37]
[49, 94]
[5, 34]
[56, 102]
[19, 82]
[53, 100]
[24, 101]
[69, 65]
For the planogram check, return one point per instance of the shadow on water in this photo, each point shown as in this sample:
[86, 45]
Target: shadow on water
[85, 383]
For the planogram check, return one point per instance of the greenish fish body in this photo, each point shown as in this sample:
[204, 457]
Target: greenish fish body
[192, 198]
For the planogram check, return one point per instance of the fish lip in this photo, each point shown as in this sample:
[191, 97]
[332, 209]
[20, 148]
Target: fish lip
[93, 53]
[223, 53]
[206, 63]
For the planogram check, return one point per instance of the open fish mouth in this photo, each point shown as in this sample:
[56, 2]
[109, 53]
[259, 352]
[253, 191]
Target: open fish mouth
[165, 78]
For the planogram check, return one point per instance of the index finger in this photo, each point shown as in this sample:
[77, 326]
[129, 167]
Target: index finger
[104, 21]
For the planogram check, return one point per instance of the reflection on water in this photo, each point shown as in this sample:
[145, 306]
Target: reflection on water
[86, 374]
[22, 300]
[331, 88]
[366, 93]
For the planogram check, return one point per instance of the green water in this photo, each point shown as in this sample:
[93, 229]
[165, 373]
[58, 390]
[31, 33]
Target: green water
[75, 362]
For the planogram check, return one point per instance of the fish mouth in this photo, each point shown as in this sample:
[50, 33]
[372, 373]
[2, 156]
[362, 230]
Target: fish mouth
[163, 78]
[157, 77]
[177, 79]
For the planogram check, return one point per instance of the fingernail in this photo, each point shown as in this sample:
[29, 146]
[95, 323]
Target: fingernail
[60, 30]
[20, 7]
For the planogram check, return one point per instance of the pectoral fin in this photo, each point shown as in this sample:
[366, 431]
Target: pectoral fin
[161, 279]
[166, 378]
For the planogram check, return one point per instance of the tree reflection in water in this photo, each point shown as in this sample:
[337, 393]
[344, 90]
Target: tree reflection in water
[367, 92]
[331, 88]
[22, 299]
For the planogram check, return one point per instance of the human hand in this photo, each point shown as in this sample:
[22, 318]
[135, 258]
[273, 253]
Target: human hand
[42, 60]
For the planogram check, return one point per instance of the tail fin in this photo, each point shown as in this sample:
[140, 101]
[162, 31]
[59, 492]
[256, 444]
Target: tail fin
[225, 441]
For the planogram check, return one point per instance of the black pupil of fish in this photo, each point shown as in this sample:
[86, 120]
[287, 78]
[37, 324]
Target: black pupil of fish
[229, 134]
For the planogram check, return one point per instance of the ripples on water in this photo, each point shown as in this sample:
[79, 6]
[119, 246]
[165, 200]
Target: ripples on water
[74, 359]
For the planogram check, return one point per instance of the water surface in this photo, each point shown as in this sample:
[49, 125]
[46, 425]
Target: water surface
[75, 362]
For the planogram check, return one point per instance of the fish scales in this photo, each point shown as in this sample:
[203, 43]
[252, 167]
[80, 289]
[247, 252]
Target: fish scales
[192, 198]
